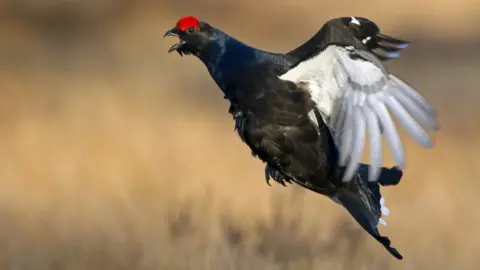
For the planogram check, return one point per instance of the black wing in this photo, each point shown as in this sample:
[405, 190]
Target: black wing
[358, 32]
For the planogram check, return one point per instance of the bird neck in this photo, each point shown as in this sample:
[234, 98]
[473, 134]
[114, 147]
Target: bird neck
[225, 56]
[213, 52]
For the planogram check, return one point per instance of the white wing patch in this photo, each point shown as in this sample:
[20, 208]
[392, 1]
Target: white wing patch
[357, 99]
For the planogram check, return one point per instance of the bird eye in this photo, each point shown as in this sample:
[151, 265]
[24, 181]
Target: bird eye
[191, 30]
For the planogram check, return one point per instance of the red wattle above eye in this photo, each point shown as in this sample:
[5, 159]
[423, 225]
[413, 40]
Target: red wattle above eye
[187, 22]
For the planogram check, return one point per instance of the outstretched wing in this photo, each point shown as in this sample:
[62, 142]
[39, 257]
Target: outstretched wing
[358, 32]
[357, 96]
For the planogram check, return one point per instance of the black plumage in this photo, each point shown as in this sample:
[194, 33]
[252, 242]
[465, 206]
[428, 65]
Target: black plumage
[301, 138]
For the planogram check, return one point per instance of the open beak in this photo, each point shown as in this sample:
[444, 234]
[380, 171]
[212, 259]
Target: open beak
[174, 32]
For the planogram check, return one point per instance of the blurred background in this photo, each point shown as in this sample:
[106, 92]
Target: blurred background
[117, 155]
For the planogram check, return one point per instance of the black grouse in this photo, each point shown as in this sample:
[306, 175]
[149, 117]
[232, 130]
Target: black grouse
[307, 113]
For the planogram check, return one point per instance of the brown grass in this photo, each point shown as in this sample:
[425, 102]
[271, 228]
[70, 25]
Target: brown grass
[115, 155]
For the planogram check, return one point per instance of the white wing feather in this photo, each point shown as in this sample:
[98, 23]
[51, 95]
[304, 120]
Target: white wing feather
[357, 100]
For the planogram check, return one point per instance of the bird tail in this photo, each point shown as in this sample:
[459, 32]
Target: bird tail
[363, 201]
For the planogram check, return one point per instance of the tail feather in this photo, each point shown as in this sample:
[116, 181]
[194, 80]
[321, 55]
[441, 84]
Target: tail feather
[363, 201]
[388, 177]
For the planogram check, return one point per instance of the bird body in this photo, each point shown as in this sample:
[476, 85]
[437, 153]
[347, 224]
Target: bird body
[306, 113]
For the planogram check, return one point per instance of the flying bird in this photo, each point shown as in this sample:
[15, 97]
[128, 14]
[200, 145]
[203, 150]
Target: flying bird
[307, 113]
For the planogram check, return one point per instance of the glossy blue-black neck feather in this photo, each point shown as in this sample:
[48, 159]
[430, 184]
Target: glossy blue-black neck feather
[225, 56]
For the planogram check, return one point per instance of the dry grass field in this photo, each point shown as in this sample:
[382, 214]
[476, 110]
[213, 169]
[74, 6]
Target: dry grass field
[117, 155]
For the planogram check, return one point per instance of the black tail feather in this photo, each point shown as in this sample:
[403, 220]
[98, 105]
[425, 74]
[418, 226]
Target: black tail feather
[362, 199]
[388, 177]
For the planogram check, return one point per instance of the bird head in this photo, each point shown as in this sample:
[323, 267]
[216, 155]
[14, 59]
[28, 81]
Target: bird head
[194, 36]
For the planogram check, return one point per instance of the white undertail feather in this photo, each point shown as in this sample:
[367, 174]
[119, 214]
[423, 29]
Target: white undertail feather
[359, 100]
[381, 221]
[384, 211]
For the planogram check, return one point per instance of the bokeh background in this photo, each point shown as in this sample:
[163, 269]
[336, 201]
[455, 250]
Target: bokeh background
[117, 155]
